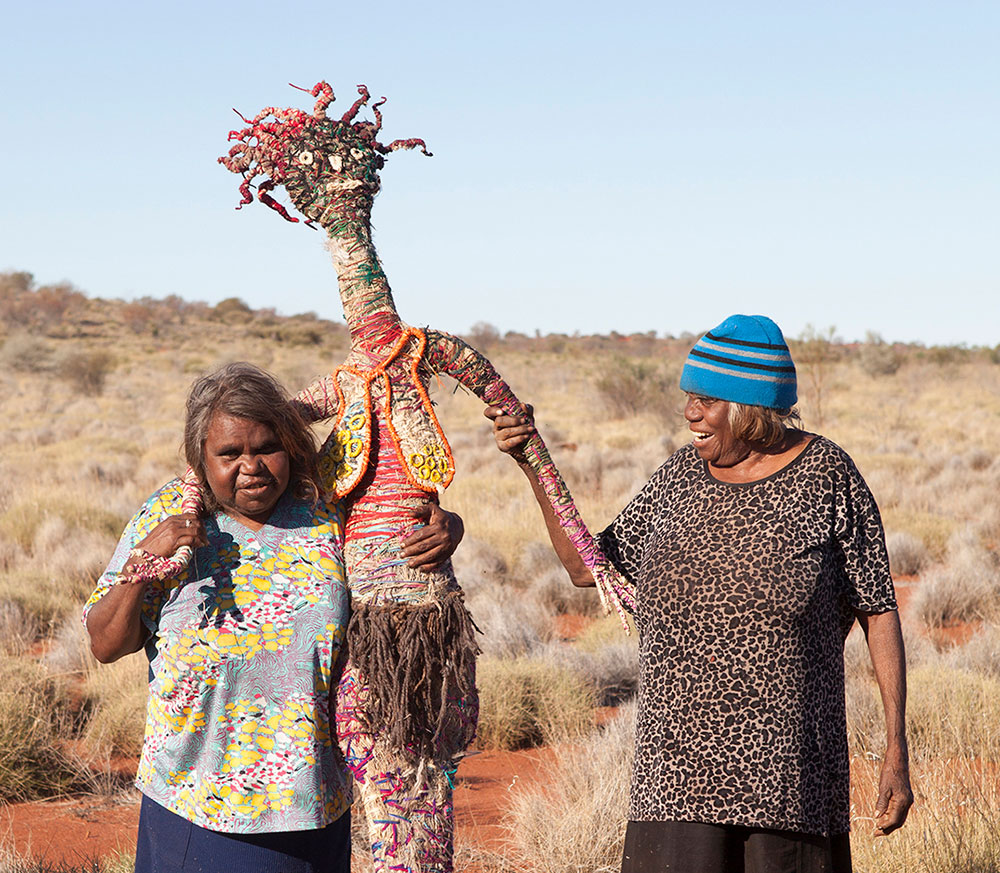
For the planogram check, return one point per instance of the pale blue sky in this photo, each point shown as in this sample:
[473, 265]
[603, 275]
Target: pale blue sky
[597, 166]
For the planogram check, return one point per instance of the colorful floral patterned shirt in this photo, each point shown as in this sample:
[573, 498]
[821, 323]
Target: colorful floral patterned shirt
[242, 647]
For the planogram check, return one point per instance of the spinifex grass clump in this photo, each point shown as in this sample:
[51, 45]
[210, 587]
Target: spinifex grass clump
[574, 819]
[964, 587]
[531, 702]
[116, 694]
[33, 727]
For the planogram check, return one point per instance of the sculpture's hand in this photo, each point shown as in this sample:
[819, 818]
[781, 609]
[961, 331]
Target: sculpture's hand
[616, 592]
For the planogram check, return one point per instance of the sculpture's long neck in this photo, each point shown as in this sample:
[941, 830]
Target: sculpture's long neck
[364, 292]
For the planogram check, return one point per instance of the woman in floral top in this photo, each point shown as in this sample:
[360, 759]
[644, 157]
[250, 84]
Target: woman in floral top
[238, 769]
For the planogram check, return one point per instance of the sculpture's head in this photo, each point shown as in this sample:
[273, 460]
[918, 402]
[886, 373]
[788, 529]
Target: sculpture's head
[329, 167]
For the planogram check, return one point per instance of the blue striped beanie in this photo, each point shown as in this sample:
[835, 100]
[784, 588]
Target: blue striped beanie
[745, 360]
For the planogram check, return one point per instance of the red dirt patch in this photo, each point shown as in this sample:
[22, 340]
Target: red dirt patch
[485, 784]
[569, 627]
[78, 830]
[952, 635]
[70, 831]
[905, 587]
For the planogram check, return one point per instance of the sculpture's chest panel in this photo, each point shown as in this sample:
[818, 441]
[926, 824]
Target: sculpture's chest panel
[396, 387]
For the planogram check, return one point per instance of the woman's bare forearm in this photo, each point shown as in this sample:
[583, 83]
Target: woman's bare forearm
[115, 623]
[885, 644]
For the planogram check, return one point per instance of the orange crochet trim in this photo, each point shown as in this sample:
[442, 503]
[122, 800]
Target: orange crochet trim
[368, 375]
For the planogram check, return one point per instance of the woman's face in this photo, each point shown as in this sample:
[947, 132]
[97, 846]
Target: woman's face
[246, 467]
[708, 420]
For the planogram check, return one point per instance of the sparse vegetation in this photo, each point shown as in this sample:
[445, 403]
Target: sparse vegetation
[121, 862]
[815, 354]
[530, 702]
[86, 371]
[907, 554]
[630, 386]
[879, 358]
[117, 695]
[922, 424]
[32, 721]
[964, 588]
[576, 819]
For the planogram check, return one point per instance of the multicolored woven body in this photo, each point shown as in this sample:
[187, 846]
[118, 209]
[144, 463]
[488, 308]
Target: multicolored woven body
[411, 645]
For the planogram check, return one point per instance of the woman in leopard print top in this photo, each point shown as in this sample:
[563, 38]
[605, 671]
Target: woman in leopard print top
[753, 550]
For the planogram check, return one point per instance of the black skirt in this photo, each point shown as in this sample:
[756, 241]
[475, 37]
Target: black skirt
[694, 847]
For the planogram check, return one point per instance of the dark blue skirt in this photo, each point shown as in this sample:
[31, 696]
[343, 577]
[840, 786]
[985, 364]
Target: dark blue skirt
[170, 844]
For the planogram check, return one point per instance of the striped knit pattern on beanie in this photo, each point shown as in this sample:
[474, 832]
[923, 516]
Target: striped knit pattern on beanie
[744, 360]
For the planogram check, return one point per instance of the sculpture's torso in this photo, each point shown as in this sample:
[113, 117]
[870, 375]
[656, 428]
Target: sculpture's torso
[386, 456]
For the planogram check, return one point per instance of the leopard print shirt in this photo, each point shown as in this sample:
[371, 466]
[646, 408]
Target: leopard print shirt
[745, 595]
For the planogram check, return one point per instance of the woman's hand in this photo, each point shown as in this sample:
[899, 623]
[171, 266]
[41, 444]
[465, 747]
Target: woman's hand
[511, 431]
[428, 547]
[173, 532]
[115, 621]
[895, 796]
[885, 644]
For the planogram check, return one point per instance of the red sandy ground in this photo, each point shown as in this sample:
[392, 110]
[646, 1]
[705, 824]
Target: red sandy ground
[80, 829]
[77, 830]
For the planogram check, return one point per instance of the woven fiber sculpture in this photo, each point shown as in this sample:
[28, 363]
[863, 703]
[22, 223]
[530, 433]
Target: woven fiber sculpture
[406, 706]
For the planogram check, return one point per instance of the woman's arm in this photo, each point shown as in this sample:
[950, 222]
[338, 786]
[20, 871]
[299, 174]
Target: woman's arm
[115, 621]
[885, 644]
[512, 432]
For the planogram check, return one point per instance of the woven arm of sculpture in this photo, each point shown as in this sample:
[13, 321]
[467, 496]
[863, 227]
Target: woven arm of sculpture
[454, 357]
[319, 401]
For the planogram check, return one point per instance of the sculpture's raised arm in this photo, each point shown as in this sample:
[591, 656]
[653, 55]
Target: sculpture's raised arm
[450, 355]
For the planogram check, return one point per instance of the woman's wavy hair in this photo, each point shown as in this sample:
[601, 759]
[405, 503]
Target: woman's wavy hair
[761, 424]
[247, 391]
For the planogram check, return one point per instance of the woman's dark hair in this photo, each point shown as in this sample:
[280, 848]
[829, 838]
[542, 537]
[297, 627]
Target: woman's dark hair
[246, 391]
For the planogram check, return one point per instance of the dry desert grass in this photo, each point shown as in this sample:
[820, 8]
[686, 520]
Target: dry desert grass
[91, 404]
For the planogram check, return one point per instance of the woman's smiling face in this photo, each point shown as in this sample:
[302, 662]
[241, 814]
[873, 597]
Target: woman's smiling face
[708, 420]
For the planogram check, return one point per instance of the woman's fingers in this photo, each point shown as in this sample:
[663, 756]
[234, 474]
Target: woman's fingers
[894, 800]
[433, 543]
[510, 431]
[173, 532]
